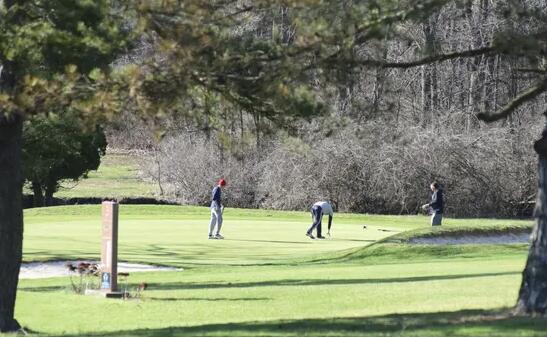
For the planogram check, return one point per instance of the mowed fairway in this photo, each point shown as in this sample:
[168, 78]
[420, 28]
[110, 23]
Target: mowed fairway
[267, 278]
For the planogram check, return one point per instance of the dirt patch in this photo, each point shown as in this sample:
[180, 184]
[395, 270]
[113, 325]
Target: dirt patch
[486, 238]
[36, 270]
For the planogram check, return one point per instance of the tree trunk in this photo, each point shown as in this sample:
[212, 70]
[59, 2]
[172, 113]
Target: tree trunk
[533, 290]
[49, 191]
[158, 163]
[429, 72]
[38, 194]
[11, 218]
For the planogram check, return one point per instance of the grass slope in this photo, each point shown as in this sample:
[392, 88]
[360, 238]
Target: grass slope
[268, 279]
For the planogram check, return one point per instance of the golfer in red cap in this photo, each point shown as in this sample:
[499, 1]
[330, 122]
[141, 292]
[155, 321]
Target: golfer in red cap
[216, 211]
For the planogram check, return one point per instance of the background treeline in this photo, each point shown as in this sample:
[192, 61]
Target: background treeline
[388, 133]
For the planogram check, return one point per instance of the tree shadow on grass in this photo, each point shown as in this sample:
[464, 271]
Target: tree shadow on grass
[219, 299]
[288, 282]
[318, 282]
[44, 289]
[354, 240]
[308, 242]
[73, 255]
[458, 323]
[205, 257]
[273, 241]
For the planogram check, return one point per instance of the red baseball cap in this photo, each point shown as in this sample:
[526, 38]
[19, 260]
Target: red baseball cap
[222, 182]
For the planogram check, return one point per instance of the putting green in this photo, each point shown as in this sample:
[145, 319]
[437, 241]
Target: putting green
[179, 236]
[267, 278]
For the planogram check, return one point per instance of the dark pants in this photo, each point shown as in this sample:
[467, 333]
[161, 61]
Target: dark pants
[436, 219]
[317, 216]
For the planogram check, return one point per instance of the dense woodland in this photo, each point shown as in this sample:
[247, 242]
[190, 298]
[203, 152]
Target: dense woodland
[385, 135]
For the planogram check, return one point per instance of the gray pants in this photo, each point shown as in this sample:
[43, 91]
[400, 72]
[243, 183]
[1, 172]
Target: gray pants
[436, 219]
[216, 220]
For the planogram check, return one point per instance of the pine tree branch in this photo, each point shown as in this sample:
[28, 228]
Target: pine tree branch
[440, 58]
[428, 59]
[332, 61]
[525, 96]
[532, 70]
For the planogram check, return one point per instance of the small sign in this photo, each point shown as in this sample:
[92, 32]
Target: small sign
[105, 281]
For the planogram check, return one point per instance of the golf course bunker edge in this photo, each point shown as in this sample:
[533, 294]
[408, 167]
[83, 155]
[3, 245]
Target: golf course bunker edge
[37, 270]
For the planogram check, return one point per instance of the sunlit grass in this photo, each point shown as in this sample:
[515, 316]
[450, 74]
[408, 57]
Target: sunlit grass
[266, 278]
[118, 176]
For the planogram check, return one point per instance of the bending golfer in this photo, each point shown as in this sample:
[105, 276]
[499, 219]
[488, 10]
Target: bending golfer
[317, 211]
[216, 211]
[436, 205]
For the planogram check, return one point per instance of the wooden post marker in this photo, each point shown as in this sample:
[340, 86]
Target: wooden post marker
[109, 250]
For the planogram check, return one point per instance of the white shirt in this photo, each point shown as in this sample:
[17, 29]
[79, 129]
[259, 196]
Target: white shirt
[327, 208]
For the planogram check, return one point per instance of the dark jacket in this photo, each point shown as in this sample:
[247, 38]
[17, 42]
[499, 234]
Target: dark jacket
[216, 196]
[437, 202]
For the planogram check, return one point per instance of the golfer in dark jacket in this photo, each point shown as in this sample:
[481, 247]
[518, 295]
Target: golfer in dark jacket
[436, 205]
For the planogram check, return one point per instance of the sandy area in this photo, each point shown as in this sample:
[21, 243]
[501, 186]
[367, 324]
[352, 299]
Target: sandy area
[36, 270]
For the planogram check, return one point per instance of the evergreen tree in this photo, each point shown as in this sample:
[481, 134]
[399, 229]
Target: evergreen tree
[57, 148]
[53, 55]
